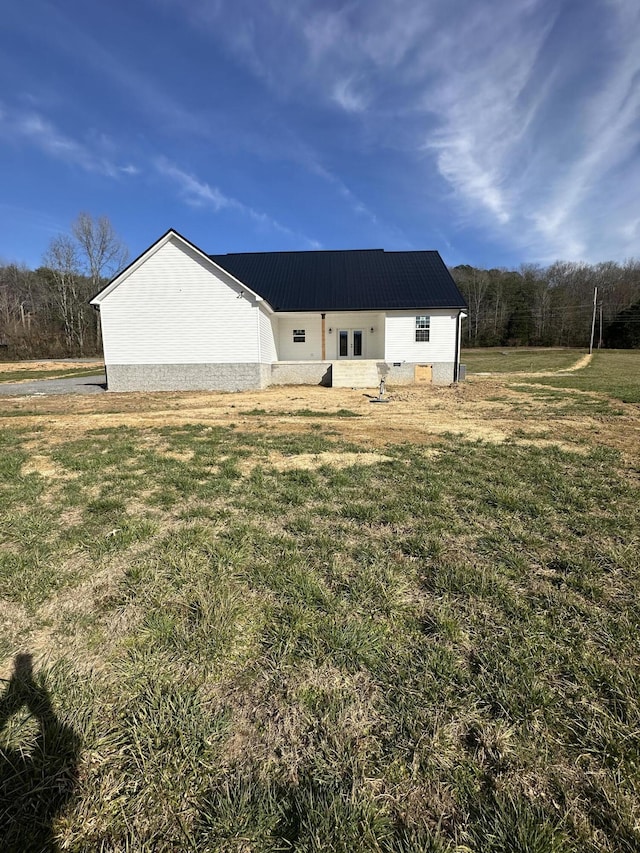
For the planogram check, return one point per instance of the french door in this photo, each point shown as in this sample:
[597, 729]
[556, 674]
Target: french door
[350, 343]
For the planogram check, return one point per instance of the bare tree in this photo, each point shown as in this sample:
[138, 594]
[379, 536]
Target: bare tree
[478, 286]
[69, 289]
[103, 253]
[78, 265]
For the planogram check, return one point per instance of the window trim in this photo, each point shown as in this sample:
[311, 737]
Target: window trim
[299, 336]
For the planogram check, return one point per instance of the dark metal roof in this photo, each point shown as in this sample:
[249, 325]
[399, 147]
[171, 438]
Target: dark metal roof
[348, 280]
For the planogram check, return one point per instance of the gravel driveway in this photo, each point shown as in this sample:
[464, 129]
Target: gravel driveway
[44, 387]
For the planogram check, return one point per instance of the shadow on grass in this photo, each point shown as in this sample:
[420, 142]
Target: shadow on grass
[38, 762]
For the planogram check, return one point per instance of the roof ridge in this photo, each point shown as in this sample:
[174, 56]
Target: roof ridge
[329, 252]
[300, 252]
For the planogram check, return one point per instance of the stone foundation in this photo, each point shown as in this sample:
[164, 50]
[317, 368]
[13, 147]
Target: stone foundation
[301, 373]
[404, 373]
[251, 377]
[188, 377]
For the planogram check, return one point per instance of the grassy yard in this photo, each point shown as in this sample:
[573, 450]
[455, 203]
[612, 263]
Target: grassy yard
[251, 637]
[613, 373]
[521, 359]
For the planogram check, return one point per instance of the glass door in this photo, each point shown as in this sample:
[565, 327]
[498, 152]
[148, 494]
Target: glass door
[350, 343]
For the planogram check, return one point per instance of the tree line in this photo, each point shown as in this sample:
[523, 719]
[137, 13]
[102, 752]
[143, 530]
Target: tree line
[45, 313]
[551, 306]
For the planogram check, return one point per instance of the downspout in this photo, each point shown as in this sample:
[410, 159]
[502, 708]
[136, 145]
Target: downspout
[260, 374]
[259, 335]
[456, 363]
[324, 342]
[106, 376]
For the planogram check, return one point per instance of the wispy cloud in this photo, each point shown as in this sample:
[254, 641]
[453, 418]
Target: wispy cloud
[369, 35]
[528, 112]
[464, 73]
[480, 106]
[194, 192]
[346, 95]
[590, 197]
[62, 31]
[36, 130]
[173, 116]
[515, 123]
[199, 193]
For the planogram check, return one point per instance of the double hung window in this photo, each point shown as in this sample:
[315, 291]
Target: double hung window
[423, 325]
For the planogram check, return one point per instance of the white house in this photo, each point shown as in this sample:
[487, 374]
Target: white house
[177, 318]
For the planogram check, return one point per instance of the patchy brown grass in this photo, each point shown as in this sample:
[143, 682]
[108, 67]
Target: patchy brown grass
[414, 629]
[39, 463]
[47, 365]
[482, 409]
[312, 461]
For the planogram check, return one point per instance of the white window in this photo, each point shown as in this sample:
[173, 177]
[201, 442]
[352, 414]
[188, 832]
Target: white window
[422, 328]
[298, 336]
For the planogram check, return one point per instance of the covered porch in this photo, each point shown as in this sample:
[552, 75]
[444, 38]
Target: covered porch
[330, 336]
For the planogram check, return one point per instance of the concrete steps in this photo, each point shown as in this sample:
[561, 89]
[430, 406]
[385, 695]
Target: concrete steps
[360, 373]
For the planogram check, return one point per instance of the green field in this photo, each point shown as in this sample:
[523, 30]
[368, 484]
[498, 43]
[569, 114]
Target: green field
[613, 373]
[251, 645]
[516, 360]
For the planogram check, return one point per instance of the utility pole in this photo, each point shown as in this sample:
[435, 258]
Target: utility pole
[600, 338]
[593, 319]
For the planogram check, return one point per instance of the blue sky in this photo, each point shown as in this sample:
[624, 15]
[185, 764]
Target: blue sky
[499, 132]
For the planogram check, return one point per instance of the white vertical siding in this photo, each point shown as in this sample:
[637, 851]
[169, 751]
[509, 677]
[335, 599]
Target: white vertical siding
[176, 309]
[400, 337]
[268, 336]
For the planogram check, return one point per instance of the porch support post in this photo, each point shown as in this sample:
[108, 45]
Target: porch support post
[324, 342]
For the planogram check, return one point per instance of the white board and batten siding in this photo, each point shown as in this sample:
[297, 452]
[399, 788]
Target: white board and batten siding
[175, 308]
[400, 336]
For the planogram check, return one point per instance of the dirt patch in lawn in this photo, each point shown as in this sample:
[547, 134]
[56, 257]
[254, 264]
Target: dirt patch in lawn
[579, 365]
[46, 467]
[313, 461]
[46, 366]
[485, 409]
